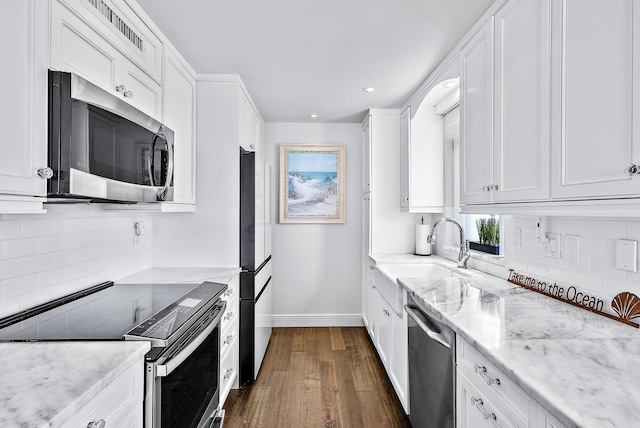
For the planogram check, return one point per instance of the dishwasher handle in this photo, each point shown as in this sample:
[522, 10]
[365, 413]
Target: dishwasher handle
[421, 320]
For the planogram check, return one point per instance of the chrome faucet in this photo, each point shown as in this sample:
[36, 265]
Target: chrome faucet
[463, 255]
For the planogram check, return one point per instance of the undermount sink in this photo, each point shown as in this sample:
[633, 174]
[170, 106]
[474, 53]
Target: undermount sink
[418, 270]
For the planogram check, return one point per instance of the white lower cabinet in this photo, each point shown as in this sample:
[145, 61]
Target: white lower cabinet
[118, 405]
[388, 331]
[486, 397]
[229, 340]
[368, 296]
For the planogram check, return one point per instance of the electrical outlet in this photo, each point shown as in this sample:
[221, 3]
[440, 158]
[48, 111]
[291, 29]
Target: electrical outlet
[138, 231]
[571, 248]
[551, 246]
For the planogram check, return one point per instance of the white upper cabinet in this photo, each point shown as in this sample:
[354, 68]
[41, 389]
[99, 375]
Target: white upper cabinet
[505, 107]
[179, 92]
[85, 42]
[476, 120]
[24, 108]
[521, 103]
[597, 79]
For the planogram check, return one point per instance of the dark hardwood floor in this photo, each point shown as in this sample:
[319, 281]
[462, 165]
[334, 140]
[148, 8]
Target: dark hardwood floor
[327, 377]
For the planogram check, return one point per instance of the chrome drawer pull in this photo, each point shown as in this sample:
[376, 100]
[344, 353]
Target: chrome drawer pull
[227, 374]
[479, 404]
[97, 424]
[228, 339]
[228, 316]
[482, 371]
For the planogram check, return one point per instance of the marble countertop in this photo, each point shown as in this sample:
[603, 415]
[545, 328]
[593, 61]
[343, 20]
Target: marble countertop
[43, 384]
[182, 275]
[582, 367]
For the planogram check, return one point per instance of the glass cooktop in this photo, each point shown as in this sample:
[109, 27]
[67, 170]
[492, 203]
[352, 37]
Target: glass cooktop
[104, 315]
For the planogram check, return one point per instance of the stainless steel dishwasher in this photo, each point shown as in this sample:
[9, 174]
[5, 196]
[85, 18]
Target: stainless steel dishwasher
[431, 370]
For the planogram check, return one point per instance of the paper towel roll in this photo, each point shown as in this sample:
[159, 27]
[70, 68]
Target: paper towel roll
[423, 248]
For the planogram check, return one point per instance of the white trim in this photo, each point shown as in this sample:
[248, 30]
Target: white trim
[317, 320]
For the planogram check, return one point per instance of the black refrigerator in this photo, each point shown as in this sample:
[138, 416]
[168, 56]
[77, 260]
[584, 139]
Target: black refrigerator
[255, 262]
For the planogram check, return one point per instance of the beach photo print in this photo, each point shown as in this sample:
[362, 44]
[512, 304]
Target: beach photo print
[312, 179]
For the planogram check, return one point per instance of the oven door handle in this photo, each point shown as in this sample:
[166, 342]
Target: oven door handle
[168, 367]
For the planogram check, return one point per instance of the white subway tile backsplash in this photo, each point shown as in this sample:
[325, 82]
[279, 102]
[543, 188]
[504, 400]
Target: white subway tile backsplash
[614, 230]
[570, 226]
[34, 228]
[69, 248]
[595, 271]
[10, 230]
[15, 248]
[10, 268]
[20, 285]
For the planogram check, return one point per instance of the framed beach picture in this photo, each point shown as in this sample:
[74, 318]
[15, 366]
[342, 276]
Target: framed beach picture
[312, 183]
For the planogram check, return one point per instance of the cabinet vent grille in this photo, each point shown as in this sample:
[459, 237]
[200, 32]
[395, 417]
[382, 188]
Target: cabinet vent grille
[117, 22]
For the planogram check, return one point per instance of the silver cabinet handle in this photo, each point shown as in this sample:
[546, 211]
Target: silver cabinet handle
[494, 187]
[632, 169]
[97, 424]
[228, 339]
[419, 319]
[45, 173]
[479, 404]
[228, 316]
[227, 374]
[372, 267]
[128, 94]
[482, 371]
[121, 88]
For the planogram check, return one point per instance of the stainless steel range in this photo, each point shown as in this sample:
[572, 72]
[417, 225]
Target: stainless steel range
[181, 321]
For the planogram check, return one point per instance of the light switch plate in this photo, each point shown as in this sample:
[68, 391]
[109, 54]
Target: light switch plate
[551, 248]
[627, 255]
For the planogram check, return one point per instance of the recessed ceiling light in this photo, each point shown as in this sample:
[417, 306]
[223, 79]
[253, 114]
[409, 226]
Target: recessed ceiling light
[313, 115]
[369, 89]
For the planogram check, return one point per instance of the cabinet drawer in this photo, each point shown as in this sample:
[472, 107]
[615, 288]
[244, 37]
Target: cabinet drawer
[474, 409]
[494, 383]
[228, 370]
[230, 317]
[116, 404]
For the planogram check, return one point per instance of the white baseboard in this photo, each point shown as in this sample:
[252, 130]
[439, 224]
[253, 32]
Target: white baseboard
[317, 320]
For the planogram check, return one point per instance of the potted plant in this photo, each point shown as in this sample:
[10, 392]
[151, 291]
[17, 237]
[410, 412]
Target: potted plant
[488, 236]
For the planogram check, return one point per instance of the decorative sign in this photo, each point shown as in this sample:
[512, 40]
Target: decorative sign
[626, 305]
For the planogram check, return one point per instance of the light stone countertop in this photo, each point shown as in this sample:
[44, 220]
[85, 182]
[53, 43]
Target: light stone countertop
[181, 275]
[582, 367]
[42, 384]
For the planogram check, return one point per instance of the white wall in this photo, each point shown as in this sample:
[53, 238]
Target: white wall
[68, 249]
[317, 267]
[208, 237]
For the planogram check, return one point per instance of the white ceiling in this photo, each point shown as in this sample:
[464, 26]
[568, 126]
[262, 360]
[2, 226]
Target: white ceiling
[298, 57]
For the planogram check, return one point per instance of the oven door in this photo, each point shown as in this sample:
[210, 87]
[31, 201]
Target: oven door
[183, 382]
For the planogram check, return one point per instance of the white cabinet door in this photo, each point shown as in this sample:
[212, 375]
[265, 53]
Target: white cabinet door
[383, 329]
[249, 123]
[476, 123]
[23, 107]
[366, 155]
[521, 110]
[77, 46]
[399, 358]
[179, 115]
[597, 46]
[405, 157]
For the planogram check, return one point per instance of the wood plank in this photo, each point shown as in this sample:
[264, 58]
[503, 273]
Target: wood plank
[328, 377]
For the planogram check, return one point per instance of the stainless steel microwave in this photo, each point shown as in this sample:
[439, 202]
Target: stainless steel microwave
[103, 149]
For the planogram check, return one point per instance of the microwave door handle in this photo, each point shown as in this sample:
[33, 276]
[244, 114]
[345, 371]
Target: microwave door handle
[169, 366]
[162, 193]
[151, 159]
